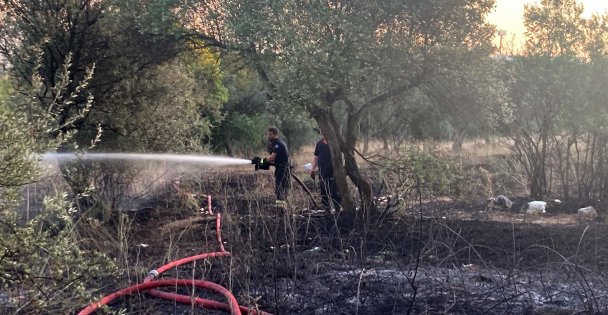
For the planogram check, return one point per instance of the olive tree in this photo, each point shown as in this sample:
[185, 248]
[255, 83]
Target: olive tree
[326, 57]
[555, 111]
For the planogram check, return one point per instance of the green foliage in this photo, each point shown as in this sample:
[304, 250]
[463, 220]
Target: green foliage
[244, 117]
[154, 17]
[358, 48]
[43, 265]
[240, 134]
[204, 67]
[555, 28]
[596, 45]
[16, 148]
[31, 126]
[352, 57]
[117, 37]
[167, 108]
[555, 111]
[544, 93]
[161, 102]
[43, 268]
[155, 90]
[5, 90]
[36, 40]
[436, 172]
[298, 131]
[160, 110]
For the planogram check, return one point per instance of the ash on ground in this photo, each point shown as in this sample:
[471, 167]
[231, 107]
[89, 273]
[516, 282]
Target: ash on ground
[467, 289]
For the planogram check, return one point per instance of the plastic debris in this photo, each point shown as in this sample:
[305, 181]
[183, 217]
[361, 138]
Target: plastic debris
[536, 207]
[315, 249]
[588, 213]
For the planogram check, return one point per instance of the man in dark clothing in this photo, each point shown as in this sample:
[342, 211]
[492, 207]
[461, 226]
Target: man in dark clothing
[279, 157]
[329, 190]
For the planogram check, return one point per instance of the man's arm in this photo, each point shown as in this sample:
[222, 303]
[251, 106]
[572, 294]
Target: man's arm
[272, 157]
[315, 163]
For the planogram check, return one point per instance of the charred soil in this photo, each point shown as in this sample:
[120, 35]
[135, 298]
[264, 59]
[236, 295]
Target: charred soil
[436, 256]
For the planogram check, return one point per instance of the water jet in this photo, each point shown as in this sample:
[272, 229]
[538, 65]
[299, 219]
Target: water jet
[163, 157]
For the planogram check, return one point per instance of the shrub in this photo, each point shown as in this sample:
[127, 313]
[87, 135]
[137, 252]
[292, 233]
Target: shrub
[43, 269]
[435, 171]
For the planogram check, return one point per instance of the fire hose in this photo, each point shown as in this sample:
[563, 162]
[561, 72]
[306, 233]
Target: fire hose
[149, 286]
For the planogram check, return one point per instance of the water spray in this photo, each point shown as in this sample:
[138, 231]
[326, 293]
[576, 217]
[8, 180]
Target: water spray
[259, 163]
[184, 158]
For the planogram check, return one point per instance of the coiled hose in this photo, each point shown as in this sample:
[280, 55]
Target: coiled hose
[149, 285]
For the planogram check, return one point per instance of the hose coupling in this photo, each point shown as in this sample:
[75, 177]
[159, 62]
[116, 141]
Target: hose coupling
[153, 274]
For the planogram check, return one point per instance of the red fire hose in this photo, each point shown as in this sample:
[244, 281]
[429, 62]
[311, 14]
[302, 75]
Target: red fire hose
[149, 286]
[233, 304]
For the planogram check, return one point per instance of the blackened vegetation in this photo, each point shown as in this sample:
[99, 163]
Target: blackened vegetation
[298, 263]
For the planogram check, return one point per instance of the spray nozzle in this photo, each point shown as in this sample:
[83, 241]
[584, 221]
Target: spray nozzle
[260, 163]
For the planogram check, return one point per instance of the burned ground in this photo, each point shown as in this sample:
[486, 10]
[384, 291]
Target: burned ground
[437, 256]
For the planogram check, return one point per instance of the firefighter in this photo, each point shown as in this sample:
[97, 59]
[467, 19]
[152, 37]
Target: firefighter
[279, 157]
[327, 183]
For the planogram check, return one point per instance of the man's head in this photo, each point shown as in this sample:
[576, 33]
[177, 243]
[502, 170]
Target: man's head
[322, 134]
[272, 134]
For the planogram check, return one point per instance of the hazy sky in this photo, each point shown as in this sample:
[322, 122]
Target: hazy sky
[509, 14]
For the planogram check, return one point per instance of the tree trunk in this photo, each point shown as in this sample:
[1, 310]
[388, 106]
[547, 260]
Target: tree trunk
[332, 135]
[365, 133]
[352, 169]
[343, 158]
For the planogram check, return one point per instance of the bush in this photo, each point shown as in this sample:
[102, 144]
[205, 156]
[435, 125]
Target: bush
[43, 269]
[435, 171]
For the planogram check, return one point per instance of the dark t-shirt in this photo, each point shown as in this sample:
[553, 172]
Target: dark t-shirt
[324, 159]
[279, 147]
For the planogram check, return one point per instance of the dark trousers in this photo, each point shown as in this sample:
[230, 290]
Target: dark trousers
[282, 183]
[329, 193]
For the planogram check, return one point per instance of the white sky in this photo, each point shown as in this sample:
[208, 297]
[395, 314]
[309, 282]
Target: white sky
[509, 14]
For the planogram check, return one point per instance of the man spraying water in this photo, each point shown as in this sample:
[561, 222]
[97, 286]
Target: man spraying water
[279, 158]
